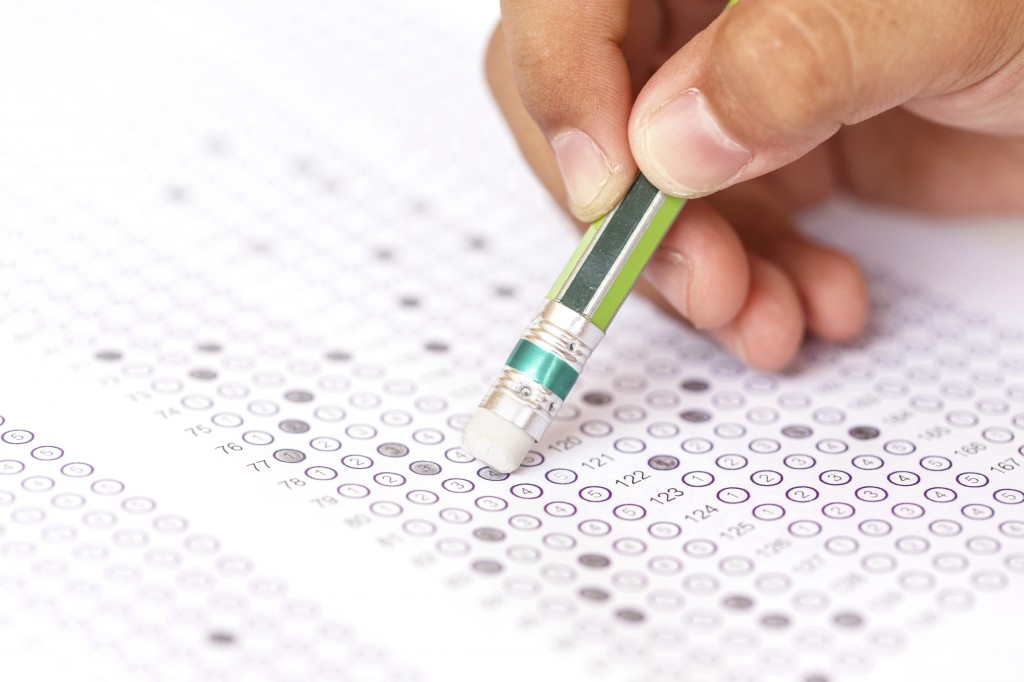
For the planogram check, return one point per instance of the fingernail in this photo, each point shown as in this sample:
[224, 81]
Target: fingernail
[684, 143]
[739, 348]
[732, 339]
[585, 168]
[670, 273]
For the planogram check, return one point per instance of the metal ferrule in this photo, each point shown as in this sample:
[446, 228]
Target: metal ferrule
[522, 401]
[541, 370]
[564, 333]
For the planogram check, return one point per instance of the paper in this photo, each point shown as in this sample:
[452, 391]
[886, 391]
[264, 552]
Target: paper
[259, 264]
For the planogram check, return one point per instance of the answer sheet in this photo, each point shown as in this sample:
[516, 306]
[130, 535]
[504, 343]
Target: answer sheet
[259, 263]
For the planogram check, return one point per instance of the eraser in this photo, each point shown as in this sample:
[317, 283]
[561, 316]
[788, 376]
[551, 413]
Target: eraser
[496, 442]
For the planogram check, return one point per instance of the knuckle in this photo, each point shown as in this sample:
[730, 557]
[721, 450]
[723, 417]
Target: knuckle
[560, 52]
[549, 80]
[789, 63]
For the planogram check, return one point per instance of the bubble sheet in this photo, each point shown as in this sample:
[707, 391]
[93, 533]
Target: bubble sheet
[311, 323]
[126, 587]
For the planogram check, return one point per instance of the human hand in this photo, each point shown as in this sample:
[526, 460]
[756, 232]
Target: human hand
[768, 107]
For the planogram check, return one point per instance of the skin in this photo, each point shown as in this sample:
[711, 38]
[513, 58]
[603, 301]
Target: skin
[915, 103]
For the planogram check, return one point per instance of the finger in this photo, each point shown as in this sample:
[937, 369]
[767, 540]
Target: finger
[769, 327]
[902, 159]
[830, 285]
[574, 82]
[700, 271]
[771, 79]
[528, 135]
[701, 268]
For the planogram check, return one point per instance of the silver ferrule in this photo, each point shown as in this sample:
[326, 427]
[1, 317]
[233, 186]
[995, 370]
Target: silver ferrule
[519, 398]
[565, 333]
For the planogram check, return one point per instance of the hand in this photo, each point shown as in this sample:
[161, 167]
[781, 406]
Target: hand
[772, 105]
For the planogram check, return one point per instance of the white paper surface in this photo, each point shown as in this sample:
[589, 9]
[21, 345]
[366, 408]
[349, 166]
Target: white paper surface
[237, 235]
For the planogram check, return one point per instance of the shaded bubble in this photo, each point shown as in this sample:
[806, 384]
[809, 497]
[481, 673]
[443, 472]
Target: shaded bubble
[737, 602]
[695, 416]
[425, 468]
[298, 396]
[289, 456]
[595, 560]
[597, 398]
[109, 355]
[203, 374]
[487, 566]
[848, 619]
[294, 426]
[694, 385]
[436, 346]
[489, 474]
[489, 534]
[663, 462]
[775, 621]
[796, 431]
[338, 355]
[393, 450]
[222, 638]
[630, 615]
[594, 594]
[864, 432]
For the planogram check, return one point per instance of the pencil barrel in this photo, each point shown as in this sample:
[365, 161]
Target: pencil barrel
[552, 352]
[613, 252]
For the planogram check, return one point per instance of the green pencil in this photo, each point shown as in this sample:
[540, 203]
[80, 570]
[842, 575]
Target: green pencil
[547, 360]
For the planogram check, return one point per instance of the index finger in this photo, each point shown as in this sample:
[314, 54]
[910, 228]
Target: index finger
[573, 80]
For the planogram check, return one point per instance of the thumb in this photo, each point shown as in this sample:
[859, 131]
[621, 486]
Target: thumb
[771, 79]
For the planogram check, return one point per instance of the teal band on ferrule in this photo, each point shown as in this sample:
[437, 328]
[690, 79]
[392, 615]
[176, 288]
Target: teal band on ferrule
[545, 368]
